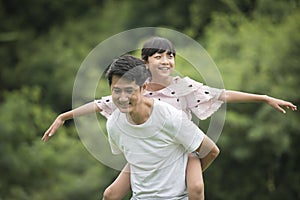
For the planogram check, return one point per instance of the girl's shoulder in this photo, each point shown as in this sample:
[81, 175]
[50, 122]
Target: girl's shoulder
[182, 86]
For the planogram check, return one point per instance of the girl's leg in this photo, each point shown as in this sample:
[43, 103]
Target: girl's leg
[120, 187]
[194, 178]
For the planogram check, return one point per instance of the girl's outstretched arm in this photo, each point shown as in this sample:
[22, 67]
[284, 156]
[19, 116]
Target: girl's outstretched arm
[236, 96]
[59, 121]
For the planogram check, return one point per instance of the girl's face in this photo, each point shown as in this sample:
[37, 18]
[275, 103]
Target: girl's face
[161, 65]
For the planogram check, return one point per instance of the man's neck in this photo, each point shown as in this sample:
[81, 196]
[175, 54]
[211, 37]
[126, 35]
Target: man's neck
[141, 113]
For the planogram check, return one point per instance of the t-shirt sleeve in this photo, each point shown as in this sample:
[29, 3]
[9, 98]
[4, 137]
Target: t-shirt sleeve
[106, 105]
[114, 148]
[186, 132]
[111, 136]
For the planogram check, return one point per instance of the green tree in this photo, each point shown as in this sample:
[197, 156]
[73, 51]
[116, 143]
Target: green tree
[259, 156]
[31, 169]
[42, 44]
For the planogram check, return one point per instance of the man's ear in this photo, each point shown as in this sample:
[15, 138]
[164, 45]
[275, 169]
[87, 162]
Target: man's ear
[144, 86]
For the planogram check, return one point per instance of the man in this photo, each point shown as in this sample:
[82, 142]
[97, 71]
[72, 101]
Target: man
[154, 137]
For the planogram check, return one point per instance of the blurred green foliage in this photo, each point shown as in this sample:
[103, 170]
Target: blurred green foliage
[255, 44]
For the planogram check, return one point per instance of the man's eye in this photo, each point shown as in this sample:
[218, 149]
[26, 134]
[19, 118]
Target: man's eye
[117, 91]
[129, 91]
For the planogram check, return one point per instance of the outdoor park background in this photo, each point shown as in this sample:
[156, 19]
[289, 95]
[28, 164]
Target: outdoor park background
[254, 43]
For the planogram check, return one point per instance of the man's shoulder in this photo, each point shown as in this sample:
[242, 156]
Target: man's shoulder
[163, 105]
[111, 120]
[165, 109]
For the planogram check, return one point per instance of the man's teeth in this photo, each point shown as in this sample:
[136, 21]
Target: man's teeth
[164, 68]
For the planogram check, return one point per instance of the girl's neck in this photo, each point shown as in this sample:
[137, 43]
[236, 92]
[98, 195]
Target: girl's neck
[159, 84]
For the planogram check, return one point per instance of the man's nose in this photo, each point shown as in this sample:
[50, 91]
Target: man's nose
[123, 96]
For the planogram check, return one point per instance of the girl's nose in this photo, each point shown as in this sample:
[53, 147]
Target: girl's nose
[164, 60]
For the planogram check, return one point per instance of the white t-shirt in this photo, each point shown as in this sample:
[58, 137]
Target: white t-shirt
[156, 150]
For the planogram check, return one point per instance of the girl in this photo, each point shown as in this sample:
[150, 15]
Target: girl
[183, 93]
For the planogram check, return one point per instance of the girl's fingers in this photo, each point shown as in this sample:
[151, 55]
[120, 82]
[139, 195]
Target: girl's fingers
[292, 107]
[47, 134]
[282, 110]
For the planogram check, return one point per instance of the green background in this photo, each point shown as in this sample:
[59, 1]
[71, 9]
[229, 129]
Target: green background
[255, 44]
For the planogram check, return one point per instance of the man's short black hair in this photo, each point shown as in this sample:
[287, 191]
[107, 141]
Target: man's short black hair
[130, 68]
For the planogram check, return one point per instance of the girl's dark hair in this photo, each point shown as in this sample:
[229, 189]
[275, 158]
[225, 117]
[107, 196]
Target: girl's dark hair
[130, 68]
[157, 45]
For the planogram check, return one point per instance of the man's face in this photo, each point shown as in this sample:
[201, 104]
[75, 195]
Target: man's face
[125, 94]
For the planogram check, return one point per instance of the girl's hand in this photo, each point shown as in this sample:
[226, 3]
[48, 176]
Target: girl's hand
[53, 128]
[278, 104]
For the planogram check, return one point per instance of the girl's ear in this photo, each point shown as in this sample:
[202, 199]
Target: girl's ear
[146, 64]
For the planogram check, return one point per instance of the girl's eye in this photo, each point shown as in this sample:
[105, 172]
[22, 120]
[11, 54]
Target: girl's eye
[170, 56]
